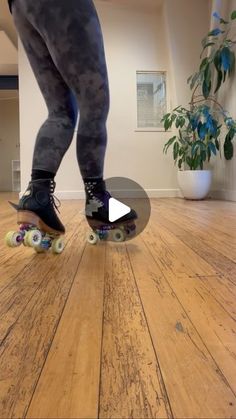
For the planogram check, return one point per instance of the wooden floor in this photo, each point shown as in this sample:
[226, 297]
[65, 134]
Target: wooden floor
[143, 329]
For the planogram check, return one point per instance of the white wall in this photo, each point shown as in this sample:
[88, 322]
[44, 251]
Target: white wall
[134, 40]
[186, 22]
[225, 171]
[9, 139]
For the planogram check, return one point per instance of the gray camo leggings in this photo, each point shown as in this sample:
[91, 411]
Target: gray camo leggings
[64, 45]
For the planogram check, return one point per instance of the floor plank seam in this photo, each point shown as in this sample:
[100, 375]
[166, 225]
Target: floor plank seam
[101, 350]
[36, 289]
[20, 272]
[30, 262]
[190, 320]
[229, 261]
[160, 375]
[53, 336]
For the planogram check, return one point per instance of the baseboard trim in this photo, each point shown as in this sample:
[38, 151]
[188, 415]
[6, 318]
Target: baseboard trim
[223, 194]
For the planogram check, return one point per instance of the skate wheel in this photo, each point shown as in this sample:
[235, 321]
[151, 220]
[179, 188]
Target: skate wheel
[92, 238]
[118, 235]
[130, 229]
[58, 246]
[13, 239]
[33, 238]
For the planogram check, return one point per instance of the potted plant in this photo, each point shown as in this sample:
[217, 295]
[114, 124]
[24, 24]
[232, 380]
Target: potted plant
[200, 127]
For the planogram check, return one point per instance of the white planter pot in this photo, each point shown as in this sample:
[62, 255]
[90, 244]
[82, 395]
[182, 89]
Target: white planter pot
[195, 184]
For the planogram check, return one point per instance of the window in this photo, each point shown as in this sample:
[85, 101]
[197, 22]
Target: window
[151, 99]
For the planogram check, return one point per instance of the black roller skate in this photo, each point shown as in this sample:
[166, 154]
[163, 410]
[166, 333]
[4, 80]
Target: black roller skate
[97, 214]
[40, 226]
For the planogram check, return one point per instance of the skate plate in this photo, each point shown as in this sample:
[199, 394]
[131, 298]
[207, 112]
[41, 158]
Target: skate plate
[117, 232]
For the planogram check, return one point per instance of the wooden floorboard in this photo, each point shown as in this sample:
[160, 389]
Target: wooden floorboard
[142, 329]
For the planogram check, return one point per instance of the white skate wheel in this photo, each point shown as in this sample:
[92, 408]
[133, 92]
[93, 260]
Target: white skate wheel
[118, 235]
[12, 239]
[33, 238]
[92, 238]
[58, 246]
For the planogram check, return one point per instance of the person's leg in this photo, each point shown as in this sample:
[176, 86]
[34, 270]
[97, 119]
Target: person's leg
[73, 37]
[56, 133]
[72, 33]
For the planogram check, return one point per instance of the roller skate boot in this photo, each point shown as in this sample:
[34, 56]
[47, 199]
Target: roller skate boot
[97, 214]
[40, 226]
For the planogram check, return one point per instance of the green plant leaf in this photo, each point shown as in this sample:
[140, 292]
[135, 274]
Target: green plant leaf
[188, 79]
[166, 116]
[215, 32]
[182, 121]
[166, 124]
[212, 147]
[230, 135]
[174, 110]
[207, 73]
[207, 45]
[206, 86]
[223, 21]
[203, 153]
[233, 15]
[228, 149]
[219, 80]
[225, 58]
[217, 144]
[204, 41]
[217, 61]
[194, 148]
[180, 163]
[168, 144]
[208, 154]
[198, 161]
[189, 162]
[176, 150]
[177, 121]
[203, 63]
[232, 62]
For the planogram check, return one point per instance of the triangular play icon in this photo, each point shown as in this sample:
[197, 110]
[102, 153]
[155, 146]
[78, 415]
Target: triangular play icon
[117, 209]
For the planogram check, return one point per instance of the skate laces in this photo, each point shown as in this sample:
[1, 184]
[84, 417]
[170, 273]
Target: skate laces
[99, 195]
[53, 197]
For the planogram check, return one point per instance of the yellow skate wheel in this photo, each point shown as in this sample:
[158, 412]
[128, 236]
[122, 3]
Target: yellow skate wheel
[118, 235]
[33, 238]
[12, 239]
[58, 246]
[92, 238]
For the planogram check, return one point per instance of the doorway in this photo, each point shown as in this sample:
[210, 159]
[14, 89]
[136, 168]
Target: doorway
[9, 141]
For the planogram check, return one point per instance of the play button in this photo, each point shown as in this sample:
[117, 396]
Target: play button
[117, 210]
[125, 196]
